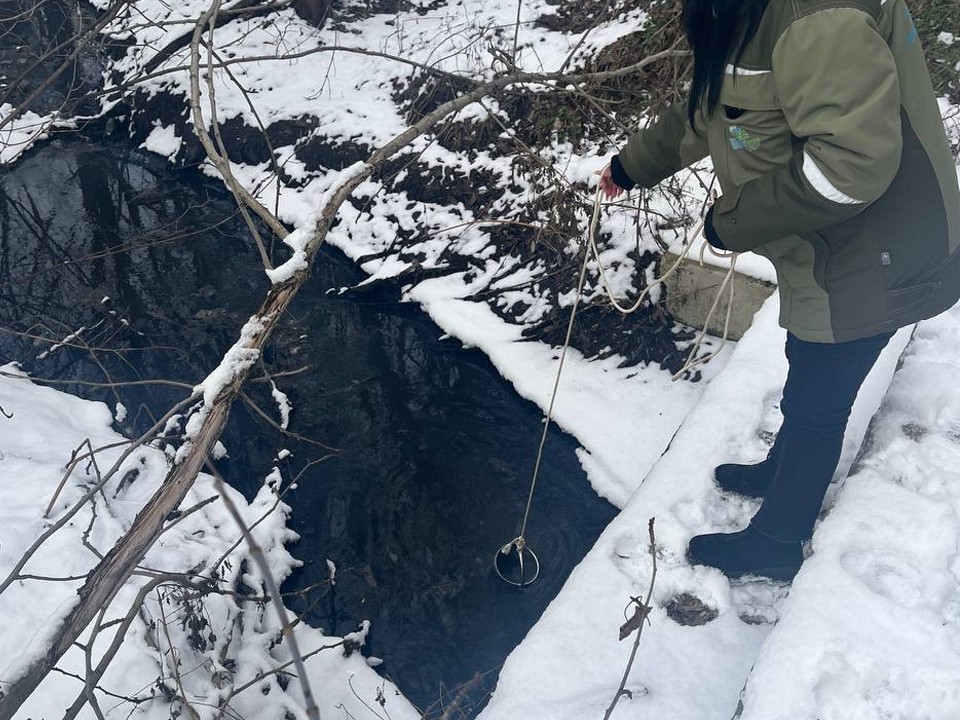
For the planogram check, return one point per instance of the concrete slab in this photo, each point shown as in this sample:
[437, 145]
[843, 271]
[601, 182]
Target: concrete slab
[691, 290]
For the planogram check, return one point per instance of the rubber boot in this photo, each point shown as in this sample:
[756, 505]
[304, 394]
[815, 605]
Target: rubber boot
[772, 545]
[748, 480]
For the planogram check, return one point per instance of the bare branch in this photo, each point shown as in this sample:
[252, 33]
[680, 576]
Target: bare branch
[641, 612]
[230, 181]
[220, 161]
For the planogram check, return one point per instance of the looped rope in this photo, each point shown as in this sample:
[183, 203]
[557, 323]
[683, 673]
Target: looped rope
[728, 281]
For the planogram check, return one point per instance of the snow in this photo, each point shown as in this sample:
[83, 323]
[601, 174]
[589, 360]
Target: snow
[283, 404]
[304, 236]
[296, 241]
[685, 673]
[35, 444]
[871, 627]
[19, 135]
[235, 361]
[163, 141]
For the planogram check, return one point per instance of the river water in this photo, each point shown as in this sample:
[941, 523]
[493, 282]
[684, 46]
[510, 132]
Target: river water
[435, 449]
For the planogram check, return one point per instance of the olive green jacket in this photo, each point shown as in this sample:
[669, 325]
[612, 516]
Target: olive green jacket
[832, 157]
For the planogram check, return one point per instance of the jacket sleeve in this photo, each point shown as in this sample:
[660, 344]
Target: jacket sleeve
[837, 83]
[666, 147]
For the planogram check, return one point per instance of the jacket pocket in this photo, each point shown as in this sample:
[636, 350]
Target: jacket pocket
[756, 136]
[750, 90]
[905, 299]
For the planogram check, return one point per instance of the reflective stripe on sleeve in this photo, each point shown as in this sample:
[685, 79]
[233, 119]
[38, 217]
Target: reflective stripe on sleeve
[732, 69]
[822, 184]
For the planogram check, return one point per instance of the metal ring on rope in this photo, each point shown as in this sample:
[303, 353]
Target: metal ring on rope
[514, 557]
[517, 564]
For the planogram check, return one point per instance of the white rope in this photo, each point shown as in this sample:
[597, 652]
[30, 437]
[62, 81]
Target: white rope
[691, 362]
[728, 279]
[556, 385]
[592, 240]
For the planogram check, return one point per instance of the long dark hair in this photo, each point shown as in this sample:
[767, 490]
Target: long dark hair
[718, 31]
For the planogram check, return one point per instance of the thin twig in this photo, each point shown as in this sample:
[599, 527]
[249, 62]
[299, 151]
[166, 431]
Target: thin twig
[277, 670]
[516, 36]
[642, 612]
[284, 373]
[116, 384]
[75, 459]
[582, 40]
[124, 698]
[175, 661]
[278, 427]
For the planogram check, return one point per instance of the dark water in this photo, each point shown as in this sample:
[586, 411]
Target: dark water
[36, 40]
[435, 449]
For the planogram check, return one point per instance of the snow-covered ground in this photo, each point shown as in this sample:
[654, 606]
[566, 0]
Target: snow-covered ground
[19, 135]
[570, 664]
[872, 627]
[219, 643]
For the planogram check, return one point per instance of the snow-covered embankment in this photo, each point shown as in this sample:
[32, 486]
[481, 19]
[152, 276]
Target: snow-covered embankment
[202, 630]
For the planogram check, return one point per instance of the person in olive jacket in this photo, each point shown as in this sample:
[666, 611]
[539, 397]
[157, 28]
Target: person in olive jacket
[827, 141]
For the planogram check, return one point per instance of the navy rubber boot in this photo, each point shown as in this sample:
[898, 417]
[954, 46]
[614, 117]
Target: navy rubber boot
[748, 480]
[821, 386]
[772, 545]
[748, 552]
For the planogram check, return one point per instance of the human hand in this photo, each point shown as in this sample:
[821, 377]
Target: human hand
[608, 187]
